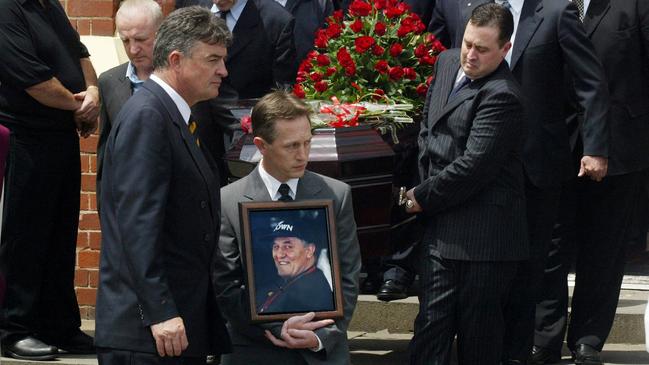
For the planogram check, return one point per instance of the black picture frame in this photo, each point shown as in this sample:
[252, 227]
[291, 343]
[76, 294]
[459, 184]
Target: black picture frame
[286, 277]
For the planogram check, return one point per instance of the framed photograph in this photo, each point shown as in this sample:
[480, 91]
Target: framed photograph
[291, 259]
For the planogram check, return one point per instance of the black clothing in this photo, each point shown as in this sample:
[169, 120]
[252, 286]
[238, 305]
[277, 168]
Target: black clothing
[37, 44]
[110, 356]
[307, 292]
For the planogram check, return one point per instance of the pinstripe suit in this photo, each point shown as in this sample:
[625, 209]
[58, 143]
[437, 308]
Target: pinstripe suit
[472, 195]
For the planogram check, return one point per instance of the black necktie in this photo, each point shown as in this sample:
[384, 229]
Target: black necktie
[223, 14]
[459, 86]
[284, 192]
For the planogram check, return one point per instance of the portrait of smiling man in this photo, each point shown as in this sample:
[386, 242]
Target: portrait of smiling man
[282, 133]
[160, 207]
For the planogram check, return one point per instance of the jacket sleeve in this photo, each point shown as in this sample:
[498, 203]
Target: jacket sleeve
[285, 63]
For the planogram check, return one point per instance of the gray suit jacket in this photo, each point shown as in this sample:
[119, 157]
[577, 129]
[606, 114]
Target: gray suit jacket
[114, 91]
[229, 267]
[470, 165]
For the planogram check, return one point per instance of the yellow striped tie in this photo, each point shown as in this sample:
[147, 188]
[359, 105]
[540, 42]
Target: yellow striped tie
[192, 129]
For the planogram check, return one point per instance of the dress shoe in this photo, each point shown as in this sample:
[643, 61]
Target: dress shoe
[30, 348]
[392, 290]
[586, 355]
[542, 355]
[75, 343]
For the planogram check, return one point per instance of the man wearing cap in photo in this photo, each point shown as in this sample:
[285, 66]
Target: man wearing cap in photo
[282, 133]
[301, 285]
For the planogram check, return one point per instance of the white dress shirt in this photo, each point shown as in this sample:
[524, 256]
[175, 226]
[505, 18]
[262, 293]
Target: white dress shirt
[516, 9]
[181, 104]
[272, 184]
[233, 16]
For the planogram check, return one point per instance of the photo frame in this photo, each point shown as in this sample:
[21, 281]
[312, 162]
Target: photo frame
[291, 259]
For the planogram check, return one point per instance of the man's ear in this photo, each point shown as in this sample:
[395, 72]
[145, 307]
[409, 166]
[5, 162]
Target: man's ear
[260, 143]
[174, 59]
[506, 48]
[310, 249]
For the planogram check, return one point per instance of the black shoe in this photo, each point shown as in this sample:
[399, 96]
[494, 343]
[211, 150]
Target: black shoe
[586, 355]
[30, 348]
[76, 343]
[392, 290]
[542, 355]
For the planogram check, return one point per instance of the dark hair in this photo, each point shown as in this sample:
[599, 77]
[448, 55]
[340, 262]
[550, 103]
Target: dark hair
[273, 106]
[494, 15]
[183, 28]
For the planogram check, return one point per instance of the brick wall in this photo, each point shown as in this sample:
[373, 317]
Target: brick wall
[91, 17]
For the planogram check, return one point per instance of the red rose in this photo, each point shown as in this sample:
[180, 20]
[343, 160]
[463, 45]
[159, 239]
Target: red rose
[428, 60]
[305, 66]
[404, 30]
[298, 91]
[246, 124]
[315, 77]
[396, 49]
[377, 50]
[323, 60]
[429, 38]
[301, 76]
[379, 28]
[363, 43]
[334, 30]
[359, 8]
[321, 39]
[321, 86]
[312, 55]
[395, 73]
[355, 86]
[330, 71]
[420, 27]
[382, 66]
[429, 79]
[338, 15]
[379, 92]
[379, 4]
[438, 46]
[356, 26]
[344, 58]
[395, 11]
[421, 51]
[350, 70]
[409, 73]
[422, 89]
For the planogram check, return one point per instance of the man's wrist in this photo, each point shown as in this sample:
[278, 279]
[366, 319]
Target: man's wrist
[319, 347]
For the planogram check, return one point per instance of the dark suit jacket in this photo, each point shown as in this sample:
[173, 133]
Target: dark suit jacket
[619, 31]
[262, 54]
[228, 273]
[310, 291]
[114, 91]
[309, 16]
[203, 3]
[472, 189]
[160, 223]
[550, 39]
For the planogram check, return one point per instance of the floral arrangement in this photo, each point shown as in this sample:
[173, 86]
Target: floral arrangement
[377, 53]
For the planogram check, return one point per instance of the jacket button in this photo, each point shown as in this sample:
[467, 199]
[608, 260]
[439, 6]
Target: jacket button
[206, 237]
[203, 204]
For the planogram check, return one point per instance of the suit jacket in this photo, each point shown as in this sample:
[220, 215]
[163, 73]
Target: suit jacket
[114, 90]
[184, 3]
[228, 272]
[472, 190]
[550, 39]
[160, 223]
[619, 31]
[262, 54]
[309, 291]
[309, 17]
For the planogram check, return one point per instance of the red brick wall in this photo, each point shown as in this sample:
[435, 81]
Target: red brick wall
[91, 17]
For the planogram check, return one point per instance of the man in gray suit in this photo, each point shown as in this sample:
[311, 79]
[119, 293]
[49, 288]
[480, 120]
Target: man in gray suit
[471, 196]
[137, 22]
[282, 131]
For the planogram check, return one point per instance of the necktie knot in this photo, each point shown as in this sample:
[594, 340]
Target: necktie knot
[459, 86]
[580, 7]
[284, 190]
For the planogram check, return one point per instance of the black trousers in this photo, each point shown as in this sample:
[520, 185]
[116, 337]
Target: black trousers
[590, 231]
[542, 206]
[462, 298]
[37, 252]
[106, 356]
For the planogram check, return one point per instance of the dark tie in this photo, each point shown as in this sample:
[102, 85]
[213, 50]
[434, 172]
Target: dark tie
[283, 191]
[580, 6]
[506, 4]
[223, 14]
[193, 128]
[459, 86]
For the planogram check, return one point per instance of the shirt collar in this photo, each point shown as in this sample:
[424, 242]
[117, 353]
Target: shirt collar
[517, 5]
[272, 184]
[181, 104]
[235, 10]
[131, 74]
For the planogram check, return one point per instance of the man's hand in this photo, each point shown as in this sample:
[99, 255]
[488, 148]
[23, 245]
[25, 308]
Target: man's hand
[297, 332]
[89, 110]
[593, 166]
[170, 337]
[415, 208]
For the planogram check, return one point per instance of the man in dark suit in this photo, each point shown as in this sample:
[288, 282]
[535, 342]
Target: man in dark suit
[185, 3]
[262, 54]
[160, 208]
[309, 16]
[594, 216]
[471, 196]
[137, 22]
[282, 131]
[549, 39]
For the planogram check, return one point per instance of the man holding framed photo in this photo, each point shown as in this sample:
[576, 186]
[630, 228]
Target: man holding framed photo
[282, 133]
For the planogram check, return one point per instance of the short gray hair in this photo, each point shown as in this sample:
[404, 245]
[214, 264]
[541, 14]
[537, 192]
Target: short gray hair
[134, 7]
[183, 28]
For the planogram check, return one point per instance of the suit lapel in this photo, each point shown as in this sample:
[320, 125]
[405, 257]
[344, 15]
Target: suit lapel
[307, 187]
[255, 188]
[244, 32]
[290, 5]
[594, 15]
[531, 18]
